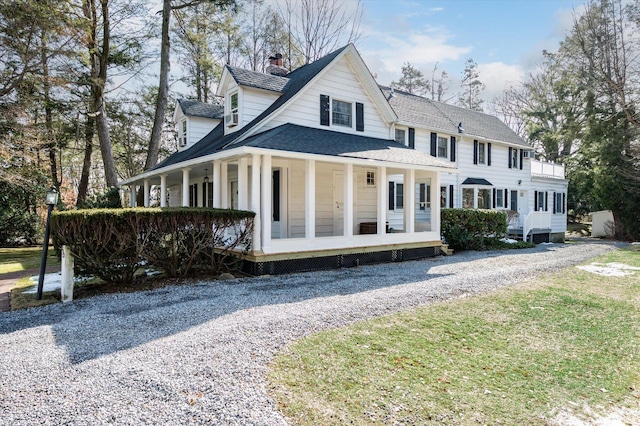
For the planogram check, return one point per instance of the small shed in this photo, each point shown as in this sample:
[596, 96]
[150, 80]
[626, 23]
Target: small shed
[602, 224]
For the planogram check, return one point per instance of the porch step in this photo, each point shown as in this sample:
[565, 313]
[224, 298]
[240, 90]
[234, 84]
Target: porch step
[444, 249]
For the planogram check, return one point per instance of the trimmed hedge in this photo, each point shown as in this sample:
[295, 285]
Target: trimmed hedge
[466, 229]
[114, 244]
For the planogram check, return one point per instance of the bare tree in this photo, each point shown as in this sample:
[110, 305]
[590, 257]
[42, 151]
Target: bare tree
[440, 85]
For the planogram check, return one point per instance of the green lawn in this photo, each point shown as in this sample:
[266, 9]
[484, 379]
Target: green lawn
[20, 259]
[514, 356]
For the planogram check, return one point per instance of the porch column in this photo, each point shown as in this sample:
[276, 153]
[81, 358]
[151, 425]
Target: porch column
[185, 187]
[409, 200]
[348, 200]
[224, 185]
[435, 203]
[216, 184]
[132, 195]
[475, 197]
[243, 183]
[255, 201]
[265, 202]
[310, 201]
[146, 192]
[383, 189]
[163, 190]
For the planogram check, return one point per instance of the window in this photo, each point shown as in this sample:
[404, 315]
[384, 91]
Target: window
[234, 104]
[400, 136]
[371, 179]
[514, 158]
[442, 147]
[467, 198]
[232, 118]
[484, 198]
[341, 113]
[500, 198]
[481, 153]
[425, 196]
[399, 196]
[559, 203]
[541, 198]
[443, 197]
[514, 201]
[182, 138]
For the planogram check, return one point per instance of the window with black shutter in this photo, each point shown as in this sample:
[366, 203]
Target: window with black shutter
[324, 110]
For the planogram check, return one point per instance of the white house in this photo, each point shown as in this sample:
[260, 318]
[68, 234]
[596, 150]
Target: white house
[339, 170]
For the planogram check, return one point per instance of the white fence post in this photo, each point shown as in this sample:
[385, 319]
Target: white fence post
[66, 288]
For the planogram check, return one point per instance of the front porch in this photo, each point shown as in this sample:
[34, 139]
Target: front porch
[534, 227]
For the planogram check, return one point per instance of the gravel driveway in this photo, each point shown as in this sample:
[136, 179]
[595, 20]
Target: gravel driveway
[198, 353]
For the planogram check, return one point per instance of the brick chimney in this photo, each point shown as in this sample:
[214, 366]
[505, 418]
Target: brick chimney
[275, 66]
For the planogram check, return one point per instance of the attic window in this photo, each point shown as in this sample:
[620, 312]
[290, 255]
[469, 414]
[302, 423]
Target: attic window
[182, 137]
[231, 119]
[341, 113]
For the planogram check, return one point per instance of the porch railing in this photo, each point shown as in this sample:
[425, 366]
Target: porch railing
[544, 169]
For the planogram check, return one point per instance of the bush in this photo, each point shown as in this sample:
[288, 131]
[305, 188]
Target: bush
[466, 229]
[115, 243]
[109, 200]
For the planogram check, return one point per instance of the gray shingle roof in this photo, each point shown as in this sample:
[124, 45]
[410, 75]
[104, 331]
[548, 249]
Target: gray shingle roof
[258, 80]
[193, 108]
[308, 140]
[444, 117]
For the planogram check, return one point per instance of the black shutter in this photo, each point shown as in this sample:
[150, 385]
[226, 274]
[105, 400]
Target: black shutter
[434, 144]
[475, 152]
[521, 158]
[412, 138]
[359, 117]
[510, 157]
[489, 154]
[506, 199]
[392, 195]
[450, 196]
[324, 110]
[276, 196]
[564, 202]
[535, 202]
[494, 197]
[546, 201]
[204, 195]
[452, 155]
[554, 203]
[423, 196]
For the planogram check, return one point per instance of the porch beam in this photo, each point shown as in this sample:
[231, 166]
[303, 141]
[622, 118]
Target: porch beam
[224, 185]
[265, 202]
[310, 201]
[163, 190]
[348, 200]
[383, 189]
[409, 200]
[216, 184]
[255, 202]
[243, 183]
[185, 187]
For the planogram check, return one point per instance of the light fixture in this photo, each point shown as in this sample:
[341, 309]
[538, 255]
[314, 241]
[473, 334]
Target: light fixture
[460, 129]
[519, 181]
[51, 199]
[206, 176]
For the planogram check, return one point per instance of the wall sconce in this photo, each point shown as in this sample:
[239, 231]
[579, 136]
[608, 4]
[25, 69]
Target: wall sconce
[206, 176]
[519, 181]
[460, 129]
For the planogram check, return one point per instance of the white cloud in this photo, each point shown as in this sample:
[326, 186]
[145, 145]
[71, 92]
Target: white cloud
[385, 53]
[497, 76]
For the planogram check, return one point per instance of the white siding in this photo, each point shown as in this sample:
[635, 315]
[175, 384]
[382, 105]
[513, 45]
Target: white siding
[199, 127]
[340, 83]
[253, 103]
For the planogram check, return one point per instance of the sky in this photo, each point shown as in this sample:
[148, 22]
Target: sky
[504, 37]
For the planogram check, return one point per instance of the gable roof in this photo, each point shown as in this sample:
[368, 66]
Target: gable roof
[425, 112]
[193, 108]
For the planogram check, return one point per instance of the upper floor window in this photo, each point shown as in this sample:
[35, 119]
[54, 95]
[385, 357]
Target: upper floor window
[231, 119]
[442, 147]
[481, 153]
[341, 113]
[514, 158]
[182, 137]
[400, 136]
[233, 108]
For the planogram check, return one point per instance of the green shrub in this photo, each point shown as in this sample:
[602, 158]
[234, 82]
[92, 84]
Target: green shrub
[466, 229]
[109, 200]
[114, 243]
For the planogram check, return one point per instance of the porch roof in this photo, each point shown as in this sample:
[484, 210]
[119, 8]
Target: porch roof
[477, 181]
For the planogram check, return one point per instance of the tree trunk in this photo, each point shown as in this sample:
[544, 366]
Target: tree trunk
[86, 164]
[163, 90]
[48, 113]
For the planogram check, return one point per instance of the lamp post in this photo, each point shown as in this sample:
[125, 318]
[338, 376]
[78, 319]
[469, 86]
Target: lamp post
[50, 200]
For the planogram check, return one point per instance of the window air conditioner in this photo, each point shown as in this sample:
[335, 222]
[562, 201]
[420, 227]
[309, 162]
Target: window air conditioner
[231, 120]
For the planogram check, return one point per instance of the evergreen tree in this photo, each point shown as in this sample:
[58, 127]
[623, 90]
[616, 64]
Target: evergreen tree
[412, 81]
[471, 86]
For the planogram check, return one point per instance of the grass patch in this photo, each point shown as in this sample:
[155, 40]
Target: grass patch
[24, 258]
[518, 355]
